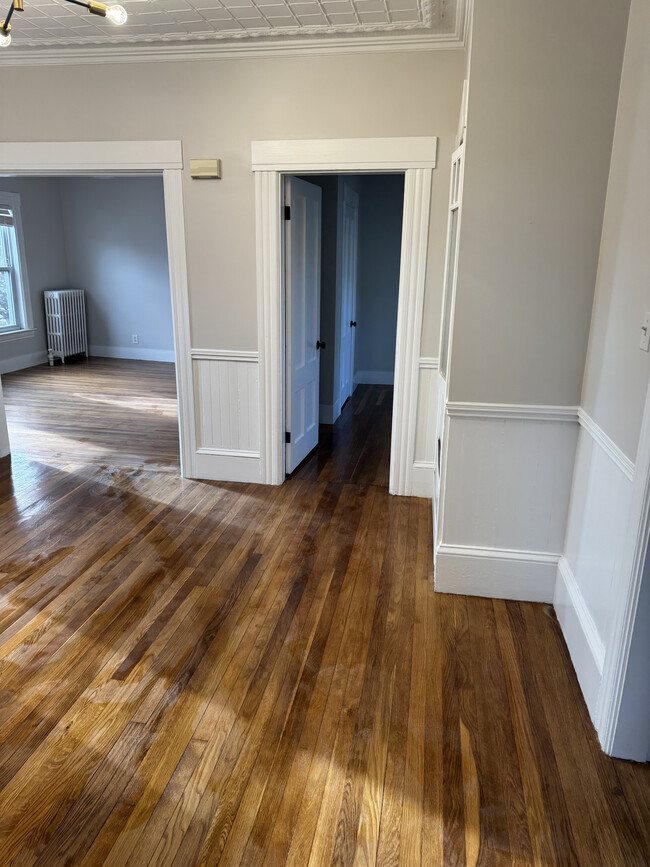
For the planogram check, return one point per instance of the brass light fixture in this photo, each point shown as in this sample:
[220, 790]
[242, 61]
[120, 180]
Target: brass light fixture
[115, 14]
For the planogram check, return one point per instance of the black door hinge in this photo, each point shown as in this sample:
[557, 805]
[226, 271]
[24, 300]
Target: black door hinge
[287, 212]
[287, 436]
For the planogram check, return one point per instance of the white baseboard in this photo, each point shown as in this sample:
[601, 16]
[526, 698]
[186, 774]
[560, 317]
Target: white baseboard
[580, 633]
[136, 353]
[422, 479]
[226, 465]
[501, 573]
[20, 362]
[328, 413]
[374, 377]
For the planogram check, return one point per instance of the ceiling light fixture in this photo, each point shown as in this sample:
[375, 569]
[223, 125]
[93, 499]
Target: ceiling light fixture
[115, 14]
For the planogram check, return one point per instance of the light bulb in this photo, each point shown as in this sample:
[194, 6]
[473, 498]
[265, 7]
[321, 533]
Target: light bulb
[5, 38]
[116, 14]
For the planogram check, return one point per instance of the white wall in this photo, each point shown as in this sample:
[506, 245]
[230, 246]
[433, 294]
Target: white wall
[381, 206]
[594, 574]
[116, 250]
[541, 114]
[46, 263]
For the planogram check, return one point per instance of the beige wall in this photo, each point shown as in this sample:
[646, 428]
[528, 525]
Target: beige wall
[217, 108]
[541, 116]
[616, 375]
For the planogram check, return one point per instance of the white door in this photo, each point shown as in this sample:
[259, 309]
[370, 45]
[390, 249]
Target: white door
[349, 237]
[303, 235]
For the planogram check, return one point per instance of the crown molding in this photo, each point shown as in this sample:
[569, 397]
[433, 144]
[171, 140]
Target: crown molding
[162, 52]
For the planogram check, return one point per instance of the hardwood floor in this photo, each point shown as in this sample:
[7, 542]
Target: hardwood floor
[197, 673]
[102, 411]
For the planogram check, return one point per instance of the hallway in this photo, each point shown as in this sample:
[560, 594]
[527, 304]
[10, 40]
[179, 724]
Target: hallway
[202, 673]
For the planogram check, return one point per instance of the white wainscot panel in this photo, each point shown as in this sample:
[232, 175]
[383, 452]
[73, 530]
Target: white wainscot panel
[424, 463]
[506, 497]
[508, 482]
[226, 396]
[585, 594]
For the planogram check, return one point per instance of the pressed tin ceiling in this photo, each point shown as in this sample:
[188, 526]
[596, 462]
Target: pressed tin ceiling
[51, 23]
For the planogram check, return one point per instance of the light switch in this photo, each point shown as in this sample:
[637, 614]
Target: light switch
[645, 334]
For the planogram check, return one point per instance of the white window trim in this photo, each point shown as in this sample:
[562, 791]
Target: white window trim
[26, 329]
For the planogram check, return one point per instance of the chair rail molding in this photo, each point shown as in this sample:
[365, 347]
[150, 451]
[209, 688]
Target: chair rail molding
[416, 157]
[525, 412]
[610, 448]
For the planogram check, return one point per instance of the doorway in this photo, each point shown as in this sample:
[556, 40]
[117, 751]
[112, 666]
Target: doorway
[343, 249]
[416, 158]
[162, 158]
[108, 395]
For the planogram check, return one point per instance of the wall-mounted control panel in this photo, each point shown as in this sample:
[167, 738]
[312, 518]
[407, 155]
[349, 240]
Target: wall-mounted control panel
[205, 169]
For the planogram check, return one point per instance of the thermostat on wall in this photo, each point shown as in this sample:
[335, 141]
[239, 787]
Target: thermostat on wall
[205, 168]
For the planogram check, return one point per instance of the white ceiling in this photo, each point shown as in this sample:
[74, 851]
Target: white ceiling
[50, 23]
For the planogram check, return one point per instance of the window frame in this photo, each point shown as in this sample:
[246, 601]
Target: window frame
[20, 280]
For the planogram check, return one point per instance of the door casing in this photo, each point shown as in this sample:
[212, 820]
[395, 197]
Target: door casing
[163, 158]
[416, 158]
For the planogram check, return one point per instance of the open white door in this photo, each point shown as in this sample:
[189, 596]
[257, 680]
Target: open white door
[303, 241]
[348, 244]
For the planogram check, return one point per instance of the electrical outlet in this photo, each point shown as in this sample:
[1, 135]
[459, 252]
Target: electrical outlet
[644, 343]
[135, 338]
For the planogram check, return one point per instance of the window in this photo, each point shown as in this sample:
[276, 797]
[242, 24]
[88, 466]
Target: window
[15, 310]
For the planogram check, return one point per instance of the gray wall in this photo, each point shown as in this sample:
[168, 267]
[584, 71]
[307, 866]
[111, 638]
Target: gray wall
[216, 108]
[616, 373]
[116, 249]
[380, 238]
[46, 265]
[542, 105]
[107, 237]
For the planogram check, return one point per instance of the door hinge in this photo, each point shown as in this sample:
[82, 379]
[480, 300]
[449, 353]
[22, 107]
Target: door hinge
[287, 212]
[287, 436]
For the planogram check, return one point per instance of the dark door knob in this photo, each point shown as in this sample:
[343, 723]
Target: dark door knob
[353, 323]
[320, 344]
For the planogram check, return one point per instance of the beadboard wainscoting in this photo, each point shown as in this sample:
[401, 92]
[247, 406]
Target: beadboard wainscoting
[226, 399]
[506, 484]
[424, 464]
[585, 593]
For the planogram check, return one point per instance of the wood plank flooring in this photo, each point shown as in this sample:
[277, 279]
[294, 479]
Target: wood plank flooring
[196, 673]
[102, 410]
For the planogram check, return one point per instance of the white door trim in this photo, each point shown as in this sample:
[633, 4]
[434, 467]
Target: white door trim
[631, 573]
[345, 155]
[163, 158]
[416, 157]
